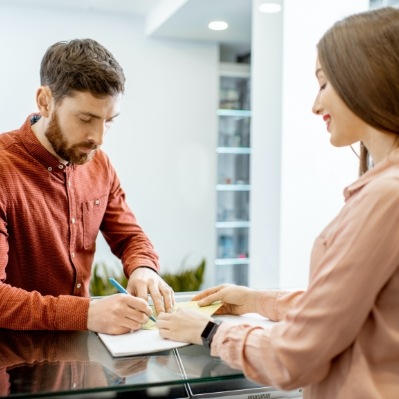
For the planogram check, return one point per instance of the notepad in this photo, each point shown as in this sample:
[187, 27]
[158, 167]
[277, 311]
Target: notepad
[147, 339]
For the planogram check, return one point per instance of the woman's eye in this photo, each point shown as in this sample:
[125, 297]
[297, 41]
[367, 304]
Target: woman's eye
[85, 120]
[323, 86]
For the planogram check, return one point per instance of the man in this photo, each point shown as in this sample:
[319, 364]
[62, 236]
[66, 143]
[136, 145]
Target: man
[57, 191]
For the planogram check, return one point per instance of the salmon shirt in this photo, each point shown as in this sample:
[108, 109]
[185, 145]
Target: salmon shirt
[50, 216]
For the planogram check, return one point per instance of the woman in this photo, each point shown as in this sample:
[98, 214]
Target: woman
[340, 338]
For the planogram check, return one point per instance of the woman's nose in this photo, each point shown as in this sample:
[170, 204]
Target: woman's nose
[317, 108]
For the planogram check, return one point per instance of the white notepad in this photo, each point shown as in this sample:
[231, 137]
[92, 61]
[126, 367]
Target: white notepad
[148, 340]
[138, 343]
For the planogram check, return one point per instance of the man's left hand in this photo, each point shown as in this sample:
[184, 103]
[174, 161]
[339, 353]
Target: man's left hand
[144, 281]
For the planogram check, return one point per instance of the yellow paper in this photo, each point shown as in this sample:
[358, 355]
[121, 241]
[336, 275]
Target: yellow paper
[208, 310]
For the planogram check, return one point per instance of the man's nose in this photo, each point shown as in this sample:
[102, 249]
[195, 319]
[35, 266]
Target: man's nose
[97, 134]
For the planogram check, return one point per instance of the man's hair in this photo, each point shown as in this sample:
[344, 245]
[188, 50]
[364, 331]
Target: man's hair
[81, 65]
[360, 58]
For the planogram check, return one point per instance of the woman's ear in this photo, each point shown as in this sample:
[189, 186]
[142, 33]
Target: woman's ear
[44, 100]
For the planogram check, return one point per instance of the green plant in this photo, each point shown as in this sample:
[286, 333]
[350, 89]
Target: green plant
[99, 284]
[186, 279]
[182, 281]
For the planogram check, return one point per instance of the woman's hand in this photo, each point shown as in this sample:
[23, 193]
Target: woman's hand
[184, 325]
[237, 300]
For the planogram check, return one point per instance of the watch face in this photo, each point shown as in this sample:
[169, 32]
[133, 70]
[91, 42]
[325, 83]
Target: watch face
[209, 327]
[209, 332]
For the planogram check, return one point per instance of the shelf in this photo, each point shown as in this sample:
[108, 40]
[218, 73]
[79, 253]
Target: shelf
[234, 112]
[233, 187]
[235, 70]
[232, 261]
[237, 224]
[233, 150]
[233, 153]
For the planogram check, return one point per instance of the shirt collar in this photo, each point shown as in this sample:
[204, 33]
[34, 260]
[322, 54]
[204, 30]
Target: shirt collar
[36, 149]
[388, 166]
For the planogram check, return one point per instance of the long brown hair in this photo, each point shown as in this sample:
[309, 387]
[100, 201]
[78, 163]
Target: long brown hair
[360, 58]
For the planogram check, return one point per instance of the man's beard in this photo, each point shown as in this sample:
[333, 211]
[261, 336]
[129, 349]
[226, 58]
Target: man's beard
[73, 154]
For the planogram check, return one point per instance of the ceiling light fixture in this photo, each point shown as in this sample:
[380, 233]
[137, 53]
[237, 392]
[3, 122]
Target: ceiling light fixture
[218, 25]
[269, 8]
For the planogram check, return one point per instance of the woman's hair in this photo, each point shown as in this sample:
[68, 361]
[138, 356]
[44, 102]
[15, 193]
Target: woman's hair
[360, 58]
[81, 65]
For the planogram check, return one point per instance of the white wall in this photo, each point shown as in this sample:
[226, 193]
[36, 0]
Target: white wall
[162, 145]
[296, 175]
[313, 173]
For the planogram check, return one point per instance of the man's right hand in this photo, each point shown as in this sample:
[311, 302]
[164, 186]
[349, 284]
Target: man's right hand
[117, 314]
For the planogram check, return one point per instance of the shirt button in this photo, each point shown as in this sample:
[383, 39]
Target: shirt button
[69, 184]
[49, 168]
[78, 285]
[61, 166]
[73, 220]
[97, 201]
[73, 254]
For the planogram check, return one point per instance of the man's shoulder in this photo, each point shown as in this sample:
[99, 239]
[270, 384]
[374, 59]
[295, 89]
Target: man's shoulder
[11, 152]
[8, 139]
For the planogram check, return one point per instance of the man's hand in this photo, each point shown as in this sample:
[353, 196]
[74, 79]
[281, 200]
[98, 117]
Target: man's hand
[237, 300]
[144, 281]
[117, 314]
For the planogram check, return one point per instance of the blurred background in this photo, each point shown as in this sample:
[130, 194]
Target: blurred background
[216, 146]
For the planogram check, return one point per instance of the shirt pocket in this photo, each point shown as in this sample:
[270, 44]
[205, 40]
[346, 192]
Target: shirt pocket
[93, 213]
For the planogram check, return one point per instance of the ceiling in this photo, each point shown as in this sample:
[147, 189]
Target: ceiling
[177, 19]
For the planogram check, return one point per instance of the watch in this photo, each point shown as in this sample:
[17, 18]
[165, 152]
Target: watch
[209, 331]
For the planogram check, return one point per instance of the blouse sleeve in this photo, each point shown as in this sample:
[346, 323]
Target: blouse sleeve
[274, 304]
[351, 263]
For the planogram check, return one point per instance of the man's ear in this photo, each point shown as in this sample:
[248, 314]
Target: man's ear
[44, 100]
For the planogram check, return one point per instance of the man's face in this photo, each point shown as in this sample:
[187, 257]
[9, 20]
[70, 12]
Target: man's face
[78, 124]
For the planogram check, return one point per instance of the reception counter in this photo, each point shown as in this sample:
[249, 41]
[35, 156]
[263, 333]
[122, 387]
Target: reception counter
[59, 364]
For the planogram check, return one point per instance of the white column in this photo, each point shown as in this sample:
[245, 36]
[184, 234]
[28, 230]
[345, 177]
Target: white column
[266, 91]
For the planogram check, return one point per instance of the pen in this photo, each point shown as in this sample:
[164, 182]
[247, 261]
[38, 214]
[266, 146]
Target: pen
[123, 291]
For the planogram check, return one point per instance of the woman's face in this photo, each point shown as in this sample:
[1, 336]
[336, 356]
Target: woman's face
[344, 126]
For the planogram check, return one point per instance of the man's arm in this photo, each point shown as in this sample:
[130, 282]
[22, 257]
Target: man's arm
[23, 310]
[128, 242]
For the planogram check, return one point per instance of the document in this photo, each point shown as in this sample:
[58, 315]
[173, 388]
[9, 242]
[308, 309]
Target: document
[147, 339]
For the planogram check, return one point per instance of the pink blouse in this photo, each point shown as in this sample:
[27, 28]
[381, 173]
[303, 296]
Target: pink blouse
[340, 338]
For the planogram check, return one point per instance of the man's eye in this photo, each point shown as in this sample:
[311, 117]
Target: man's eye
[85, 120]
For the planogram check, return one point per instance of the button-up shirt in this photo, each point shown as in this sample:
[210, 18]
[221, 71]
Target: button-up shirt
[50, 216]
[340, 338]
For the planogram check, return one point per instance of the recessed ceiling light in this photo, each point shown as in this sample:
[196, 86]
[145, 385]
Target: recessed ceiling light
[270, 8]
[218, 25]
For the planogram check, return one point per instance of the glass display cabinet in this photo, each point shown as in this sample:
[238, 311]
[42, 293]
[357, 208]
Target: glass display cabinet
[233, 177]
